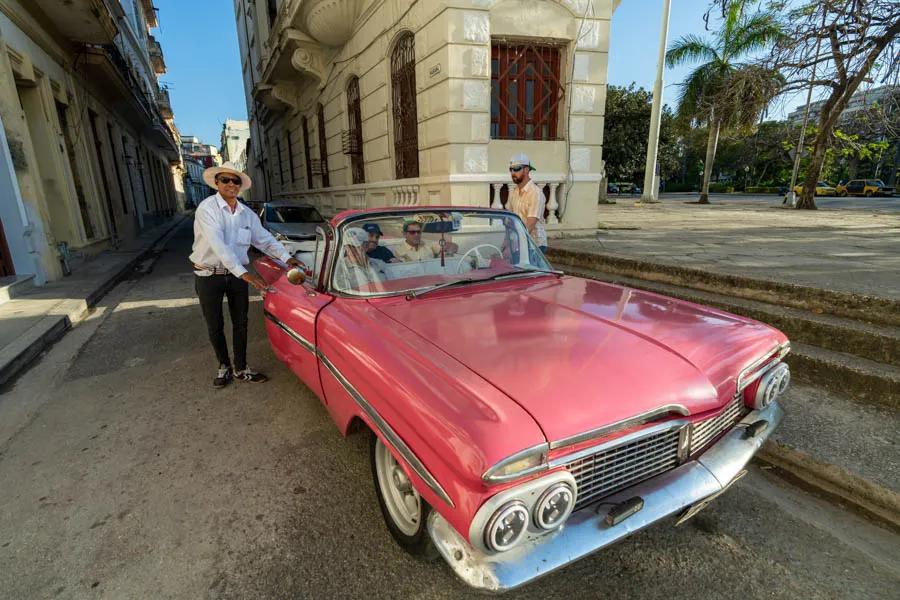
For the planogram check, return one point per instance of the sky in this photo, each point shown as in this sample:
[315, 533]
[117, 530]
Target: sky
[203, 65]
[200, 45]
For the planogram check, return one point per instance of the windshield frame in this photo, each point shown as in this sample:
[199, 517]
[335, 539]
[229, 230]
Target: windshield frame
[336, 241]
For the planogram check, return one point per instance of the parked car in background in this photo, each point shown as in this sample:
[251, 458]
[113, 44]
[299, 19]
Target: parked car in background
[823, 188]
[612, 188]
[864, 187]
[294, 225]
[515, 425]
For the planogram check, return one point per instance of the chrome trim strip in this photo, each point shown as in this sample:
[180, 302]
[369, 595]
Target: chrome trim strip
[781, 350]
[634, 435]
[389, 434]
[307, 345]
[490, 478]
[647, 417]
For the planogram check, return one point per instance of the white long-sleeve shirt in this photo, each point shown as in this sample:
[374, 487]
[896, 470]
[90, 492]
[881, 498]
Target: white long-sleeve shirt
[222, 238]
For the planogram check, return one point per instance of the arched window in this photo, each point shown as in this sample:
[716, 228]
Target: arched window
[323, 146]
[403, 90]
[355, 146]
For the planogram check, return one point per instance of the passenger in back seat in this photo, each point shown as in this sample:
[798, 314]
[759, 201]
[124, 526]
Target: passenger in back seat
[373, 250]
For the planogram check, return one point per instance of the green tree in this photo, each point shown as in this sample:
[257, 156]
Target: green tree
[626, 125]
[722, 92]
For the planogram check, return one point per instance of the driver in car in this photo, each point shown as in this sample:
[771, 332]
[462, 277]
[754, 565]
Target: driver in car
[353, 270]
[413, 248]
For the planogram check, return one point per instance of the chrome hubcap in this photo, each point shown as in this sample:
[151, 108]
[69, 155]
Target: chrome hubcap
[401, 499]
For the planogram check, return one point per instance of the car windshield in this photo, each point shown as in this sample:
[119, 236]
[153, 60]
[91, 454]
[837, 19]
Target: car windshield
[414, 252]
[293, 214]
[877, 182]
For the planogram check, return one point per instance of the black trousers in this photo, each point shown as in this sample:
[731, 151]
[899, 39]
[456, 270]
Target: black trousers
[211, 290]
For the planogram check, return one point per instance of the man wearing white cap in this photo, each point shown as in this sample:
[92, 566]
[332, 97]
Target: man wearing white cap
[224, 229]
[353, 272]
[526, 199]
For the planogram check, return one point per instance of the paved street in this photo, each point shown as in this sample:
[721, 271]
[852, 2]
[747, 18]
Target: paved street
[125, 475]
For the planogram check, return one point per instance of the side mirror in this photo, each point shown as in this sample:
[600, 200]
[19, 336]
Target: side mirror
[296, 276]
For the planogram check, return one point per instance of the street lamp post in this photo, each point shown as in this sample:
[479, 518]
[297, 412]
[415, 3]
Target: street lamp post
[651, 188]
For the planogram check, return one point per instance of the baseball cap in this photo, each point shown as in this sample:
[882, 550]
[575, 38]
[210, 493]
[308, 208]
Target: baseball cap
[372, 228]
[521, 159]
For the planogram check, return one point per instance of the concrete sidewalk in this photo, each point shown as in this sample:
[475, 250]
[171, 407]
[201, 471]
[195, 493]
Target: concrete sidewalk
[35, 319]
[850, 252]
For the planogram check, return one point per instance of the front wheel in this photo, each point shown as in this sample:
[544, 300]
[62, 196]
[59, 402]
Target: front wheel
[405, 512]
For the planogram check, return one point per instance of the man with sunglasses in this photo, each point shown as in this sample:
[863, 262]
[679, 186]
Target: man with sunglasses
[413, 248]
[224, 229]
[527, 200]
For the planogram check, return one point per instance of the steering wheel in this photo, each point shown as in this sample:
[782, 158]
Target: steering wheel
[477, 253]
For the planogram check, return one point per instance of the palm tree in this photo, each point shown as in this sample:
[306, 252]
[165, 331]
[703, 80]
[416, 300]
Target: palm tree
[723, 92]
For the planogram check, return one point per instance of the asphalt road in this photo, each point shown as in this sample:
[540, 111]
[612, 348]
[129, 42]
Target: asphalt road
[885, 204]
[123, 474]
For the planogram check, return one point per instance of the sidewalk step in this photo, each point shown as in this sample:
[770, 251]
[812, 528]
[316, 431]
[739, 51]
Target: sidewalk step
[880, 343]
[14, 285]
[841, 447]
[854, 306]
[870, 374]
[864, 380]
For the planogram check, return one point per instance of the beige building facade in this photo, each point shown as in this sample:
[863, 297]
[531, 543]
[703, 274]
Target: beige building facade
[89, 151]
[366, 103]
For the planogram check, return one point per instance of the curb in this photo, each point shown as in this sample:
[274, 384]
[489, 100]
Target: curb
[876, 501]
[869, 309]
[17, 356]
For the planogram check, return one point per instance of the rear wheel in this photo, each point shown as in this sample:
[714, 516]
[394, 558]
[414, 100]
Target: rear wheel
[405, 512]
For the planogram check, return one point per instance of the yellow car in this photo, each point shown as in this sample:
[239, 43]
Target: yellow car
[823, 188]
[864, 187]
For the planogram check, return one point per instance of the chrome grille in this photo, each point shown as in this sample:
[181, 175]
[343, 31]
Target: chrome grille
[613, 469]
[703, 432]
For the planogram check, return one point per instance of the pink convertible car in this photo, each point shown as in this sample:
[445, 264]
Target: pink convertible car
[521, 418]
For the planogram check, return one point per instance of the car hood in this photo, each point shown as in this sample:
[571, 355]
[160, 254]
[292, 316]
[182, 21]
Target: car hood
[579, 354]
[293, 229]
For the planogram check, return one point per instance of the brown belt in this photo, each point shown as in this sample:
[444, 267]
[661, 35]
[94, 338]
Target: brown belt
[214, 270]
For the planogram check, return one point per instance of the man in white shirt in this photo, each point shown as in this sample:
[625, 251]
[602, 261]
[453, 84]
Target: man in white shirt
[527, 200]
[224, 229]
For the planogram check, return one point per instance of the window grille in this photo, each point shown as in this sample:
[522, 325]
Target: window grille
[307, 158]
[354, 142]
[525, 90]
[323, 146]
[403, 92]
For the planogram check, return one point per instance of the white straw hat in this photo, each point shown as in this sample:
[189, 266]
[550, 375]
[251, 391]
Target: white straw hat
[209, 175]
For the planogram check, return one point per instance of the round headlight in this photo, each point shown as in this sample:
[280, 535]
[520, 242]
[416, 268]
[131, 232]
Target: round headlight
[554, 506]
[507, 526]
[772, 385]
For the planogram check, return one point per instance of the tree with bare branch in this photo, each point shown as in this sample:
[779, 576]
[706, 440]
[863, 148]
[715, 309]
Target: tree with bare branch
[836, 46]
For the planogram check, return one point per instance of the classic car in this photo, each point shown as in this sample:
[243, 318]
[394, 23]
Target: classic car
[823, 188]
[864, 187]
[294, 225]
[520, 418]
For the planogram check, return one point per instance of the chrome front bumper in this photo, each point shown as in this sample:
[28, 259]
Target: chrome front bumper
[585, 531]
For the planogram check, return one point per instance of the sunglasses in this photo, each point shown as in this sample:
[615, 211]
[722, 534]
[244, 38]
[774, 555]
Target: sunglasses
[234, 180]
[516, 169]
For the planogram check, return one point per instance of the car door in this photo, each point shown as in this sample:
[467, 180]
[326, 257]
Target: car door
[291, 311]
[855, 186]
